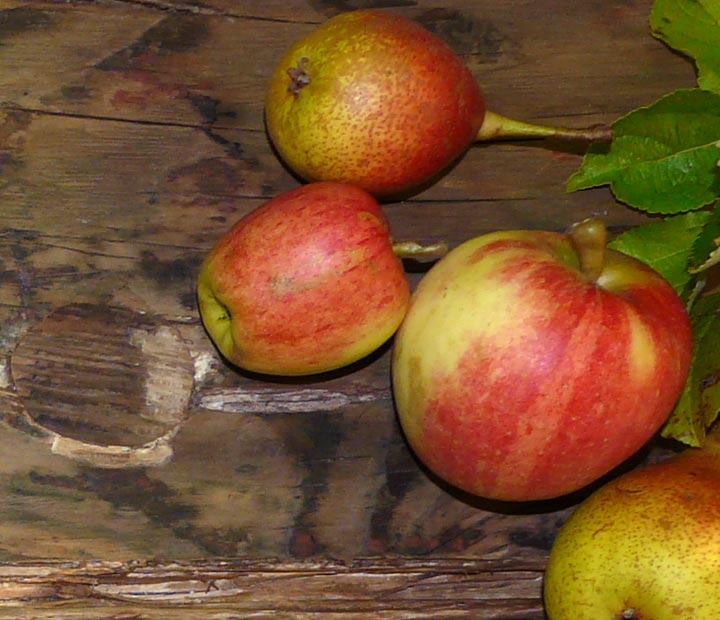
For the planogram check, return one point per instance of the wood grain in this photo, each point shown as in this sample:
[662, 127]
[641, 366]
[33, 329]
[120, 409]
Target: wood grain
[388, 589]
[144, 477]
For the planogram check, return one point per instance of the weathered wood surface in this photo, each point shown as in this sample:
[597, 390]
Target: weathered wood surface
[407, 588]
[141, 476]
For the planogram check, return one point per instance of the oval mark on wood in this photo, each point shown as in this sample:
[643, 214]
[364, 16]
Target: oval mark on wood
[111, 386]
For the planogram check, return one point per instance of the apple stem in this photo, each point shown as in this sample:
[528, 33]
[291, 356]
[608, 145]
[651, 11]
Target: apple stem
[589, 240]
[496, 126]
[415, 250]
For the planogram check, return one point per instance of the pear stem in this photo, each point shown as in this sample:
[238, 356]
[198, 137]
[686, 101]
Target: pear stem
[496, 127]
[418, 251]
[589, 240]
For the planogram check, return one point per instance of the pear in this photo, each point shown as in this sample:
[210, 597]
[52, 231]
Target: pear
[646, 546]
[374, 99]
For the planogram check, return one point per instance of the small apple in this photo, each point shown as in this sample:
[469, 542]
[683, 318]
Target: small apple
[531, 363]
[645, 546]
[306, 283]
[372, 98]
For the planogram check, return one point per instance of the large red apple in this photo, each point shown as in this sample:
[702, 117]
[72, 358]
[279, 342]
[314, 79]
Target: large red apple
[306, 283]
[531, 363]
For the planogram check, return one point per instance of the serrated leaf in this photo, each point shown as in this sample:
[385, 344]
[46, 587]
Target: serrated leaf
[694, 29]
[699, 404]
[665, 245]
[663, 157]
[706, 248]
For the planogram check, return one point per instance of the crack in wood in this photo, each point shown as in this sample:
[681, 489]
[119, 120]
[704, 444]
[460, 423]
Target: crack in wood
[268, 401]
[103, 118]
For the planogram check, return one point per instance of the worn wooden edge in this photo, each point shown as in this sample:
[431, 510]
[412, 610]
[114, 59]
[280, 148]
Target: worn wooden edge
[388, 587]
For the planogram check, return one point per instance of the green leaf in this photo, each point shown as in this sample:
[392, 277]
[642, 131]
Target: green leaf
[694, 29]
[663, 157]
[665, 245]
[699, 404]
[706, 249]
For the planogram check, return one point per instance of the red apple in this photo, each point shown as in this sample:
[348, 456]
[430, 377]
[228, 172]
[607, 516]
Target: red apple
[531, 363]
[306, 283]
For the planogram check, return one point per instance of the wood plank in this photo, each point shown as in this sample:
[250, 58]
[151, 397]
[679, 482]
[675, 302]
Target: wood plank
[391, 589]
[143, 476]
[250, 467]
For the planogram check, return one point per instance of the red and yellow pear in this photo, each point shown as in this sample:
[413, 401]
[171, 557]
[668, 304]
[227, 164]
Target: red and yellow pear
[645, 546]
[372, 98]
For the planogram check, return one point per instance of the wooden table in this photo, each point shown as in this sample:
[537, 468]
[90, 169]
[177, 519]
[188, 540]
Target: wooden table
[141, 476]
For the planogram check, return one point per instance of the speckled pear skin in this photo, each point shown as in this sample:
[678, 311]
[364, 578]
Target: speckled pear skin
[374, 99]
[646, 546]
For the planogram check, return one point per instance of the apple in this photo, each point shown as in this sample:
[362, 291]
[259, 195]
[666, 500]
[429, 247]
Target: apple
[306, 283]
[531, 363]
[645, 546]
[373, 98]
